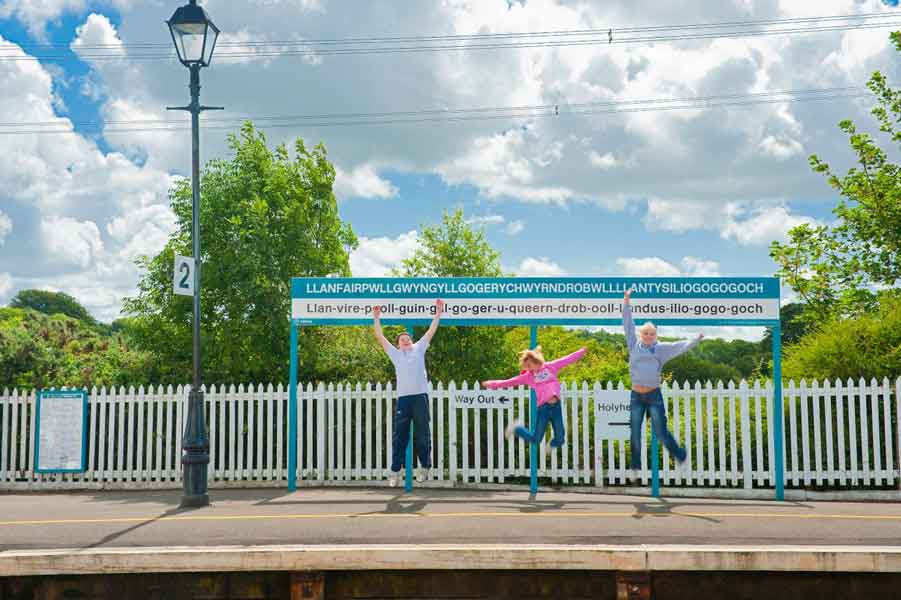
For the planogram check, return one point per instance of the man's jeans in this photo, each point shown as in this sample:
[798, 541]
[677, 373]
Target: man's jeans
[547, 413]
[652, 402]
[415, 408]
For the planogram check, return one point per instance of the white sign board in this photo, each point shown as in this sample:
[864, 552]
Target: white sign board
[536, 300]
[61, 431]
[611, 415]
[482, 399]
[183, 280]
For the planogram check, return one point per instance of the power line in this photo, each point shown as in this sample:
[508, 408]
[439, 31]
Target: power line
[603, 31]
[462, 115]
[424, 44]
[448, 112]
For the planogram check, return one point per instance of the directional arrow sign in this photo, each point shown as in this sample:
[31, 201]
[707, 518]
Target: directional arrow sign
[482, 399]
[611, 415]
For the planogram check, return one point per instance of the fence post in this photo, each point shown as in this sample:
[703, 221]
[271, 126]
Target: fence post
[745, 434]
[898, 425]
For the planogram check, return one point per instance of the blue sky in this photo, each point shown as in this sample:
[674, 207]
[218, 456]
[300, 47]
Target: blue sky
[698, 192]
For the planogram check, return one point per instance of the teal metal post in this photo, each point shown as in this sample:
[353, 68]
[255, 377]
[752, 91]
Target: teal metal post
[655, 466]
[533, 419]
[292, 413]
[779, 465]
[408, 471]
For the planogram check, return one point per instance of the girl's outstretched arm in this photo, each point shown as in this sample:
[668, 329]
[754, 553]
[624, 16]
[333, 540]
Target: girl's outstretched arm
[493, 384]
[567, 360]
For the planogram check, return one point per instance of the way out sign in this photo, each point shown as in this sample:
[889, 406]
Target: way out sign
[184, 276]
[482, 399]
[611, 414]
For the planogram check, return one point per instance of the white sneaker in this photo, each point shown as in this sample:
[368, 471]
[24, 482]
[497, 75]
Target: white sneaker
[634, 475]
[511, 429]
[422, 473]
[393, 479]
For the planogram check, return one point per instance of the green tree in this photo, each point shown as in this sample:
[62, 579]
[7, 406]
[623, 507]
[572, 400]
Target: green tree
[457, 249]
[601, 363]
[41, 351]
[792, 325]
[690, 368]
[834, 268]
[350, 354]
[52, 303]
[265, 216]
[866, 346]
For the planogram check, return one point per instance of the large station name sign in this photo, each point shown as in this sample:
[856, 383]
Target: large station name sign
[529, 300]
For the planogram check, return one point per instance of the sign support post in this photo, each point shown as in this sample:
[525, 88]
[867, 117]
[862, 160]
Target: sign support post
[777, 412]
[292, 413]
[533, 417]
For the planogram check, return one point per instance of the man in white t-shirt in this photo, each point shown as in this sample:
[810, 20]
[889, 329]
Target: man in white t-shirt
[412, 394]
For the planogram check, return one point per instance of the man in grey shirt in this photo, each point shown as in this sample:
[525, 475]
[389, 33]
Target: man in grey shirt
[412, 394]
[646, 359]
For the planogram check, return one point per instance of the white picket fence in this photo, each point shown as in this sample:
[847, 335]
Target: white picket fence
[836, 435]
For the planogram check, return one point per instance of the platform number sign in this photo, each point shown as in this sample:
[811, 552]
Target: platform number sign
[184, 275]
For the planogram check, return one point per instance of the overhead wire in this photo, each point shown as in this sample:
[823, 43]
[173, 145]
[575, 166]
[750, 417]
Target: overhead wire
[437, 115]
[485, 41]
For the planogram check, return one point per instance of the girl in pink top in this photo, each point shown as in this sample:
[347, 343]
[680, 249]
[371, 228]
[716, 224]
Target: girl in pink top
[542, 377]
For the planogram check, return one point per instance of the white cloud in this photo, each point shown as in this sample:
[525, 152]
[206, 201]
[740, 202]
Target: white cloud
[72, 242]
[143, 231]
[676, 215]
[510, 228]
[487, 220]
[362, 182]
[698, 267]
[748, 223]
[647, 267]
[6, 285]
[81, 215]
[6, 226]
[539, 267]
[654, 266]
[514, 227]
[607, 161]
[97, 30]
[36, 13]
[376, 257]
[781, 147]
[762, 225]
[505, 165]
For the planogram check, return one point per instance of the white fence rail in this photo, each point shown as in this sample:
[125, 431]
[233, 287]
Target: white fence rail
[836, 435]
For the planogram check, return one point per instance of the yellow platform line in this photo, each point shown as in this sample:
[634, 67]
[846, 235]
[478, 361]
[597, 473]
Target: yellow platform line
[422, 515]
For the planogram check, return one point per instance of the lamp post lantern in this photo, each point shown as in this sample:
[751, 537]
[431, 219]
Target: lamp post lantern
[194, 36]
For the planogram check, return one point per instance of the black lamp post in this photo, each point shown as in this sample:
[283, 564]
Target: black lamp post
[194, 36]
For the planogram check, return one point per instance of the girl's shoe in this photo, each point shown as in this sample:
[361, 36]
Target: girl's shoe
[511, 429]
[393, 479]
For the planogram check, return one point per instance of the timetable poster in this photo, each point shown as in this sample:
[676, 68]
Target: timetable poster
[61, 431]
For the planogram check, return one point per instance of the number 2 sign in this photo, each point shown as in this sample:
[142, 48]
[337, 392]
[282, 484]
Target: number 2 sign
[184, 275]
